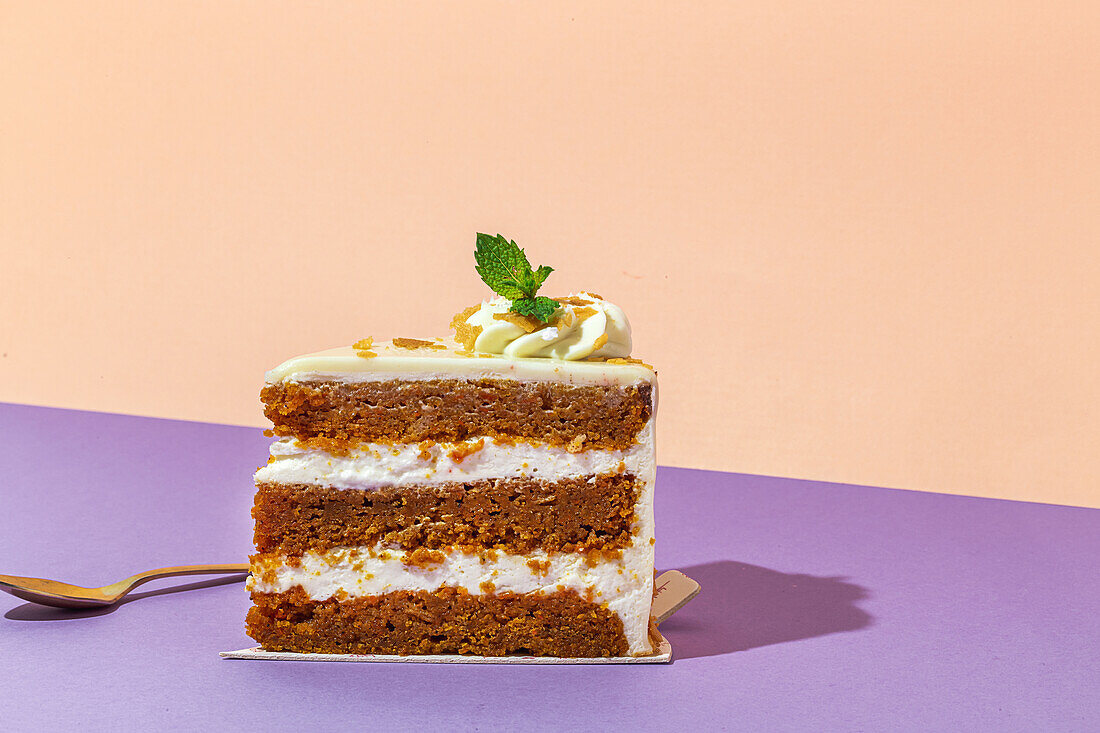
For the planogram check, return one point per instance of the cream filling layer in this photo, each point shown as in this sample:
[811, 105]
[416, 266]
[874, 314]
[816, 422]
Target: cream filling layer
[377, 465]
[625, 584]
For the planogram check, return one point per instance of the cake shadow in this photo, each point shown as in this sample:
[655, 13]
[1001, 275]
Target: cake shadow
[744, 606]
[36, 612]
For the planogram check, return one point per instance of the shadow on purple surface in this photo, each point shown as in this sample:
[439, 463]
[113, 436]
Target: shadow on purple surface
[35, 612]
[746, 606]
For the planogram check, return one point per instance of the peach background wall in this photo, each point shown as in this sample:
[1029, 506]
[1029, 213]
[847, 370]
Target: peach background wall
[859, 239]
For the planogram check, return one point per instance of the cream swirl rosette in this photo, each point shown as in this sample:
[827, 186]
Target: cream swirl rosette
[585, 326]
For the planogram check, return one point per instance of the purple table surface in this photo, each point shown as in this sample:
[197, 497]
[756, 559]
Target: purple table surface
[824, 606]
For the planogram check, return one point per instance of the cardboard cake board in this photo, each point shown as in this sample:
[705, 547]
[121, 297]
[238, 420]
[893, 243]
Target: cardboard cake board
[671, 591]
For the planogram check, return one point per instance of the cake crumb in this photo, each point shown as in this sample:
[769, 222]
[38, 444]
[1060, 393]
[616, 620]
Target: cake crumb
[466, 334]
[539, 567]
[336, 446]
[487, 586]
[575, 445]
[529, 324]
[628, 360]
[363, 348]
[425, 447]
[404, 343]
[424, 558]
[583, 314]
[463, 450]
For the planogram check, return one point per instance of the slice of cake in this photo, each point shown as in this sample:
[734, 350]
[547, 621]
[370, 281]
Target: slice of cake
[487, 495]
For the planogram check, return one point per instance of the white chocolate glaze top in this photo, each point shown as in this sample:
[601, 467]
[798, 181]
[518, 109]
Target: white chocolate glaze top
[449, 361]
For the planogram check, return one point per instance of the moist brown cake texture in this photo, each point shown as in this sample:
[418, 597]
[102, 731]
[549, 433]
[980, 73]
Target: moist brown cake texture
[448, 410]
[445, 621]
[516, 515]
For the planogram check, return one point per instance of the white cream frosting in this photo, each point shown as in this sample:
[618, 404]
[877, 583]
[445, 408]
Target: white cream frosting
[624, 584]
[573, 333]
[374, 465]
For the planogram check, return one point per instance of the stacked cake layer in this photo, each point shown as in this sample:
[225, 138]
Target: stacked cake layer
[426, 498]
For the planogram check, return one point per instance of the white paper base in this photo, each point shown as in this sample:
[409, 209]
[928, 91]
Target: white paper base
[663, 656]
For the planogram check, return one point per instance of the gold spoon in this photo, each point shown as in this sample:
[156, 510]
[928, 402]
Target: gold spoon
[63, 595]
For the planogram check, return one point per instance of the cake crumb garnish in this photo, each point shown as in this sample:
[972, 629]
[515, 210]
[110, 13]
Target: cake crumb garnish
[529, 324]
[629, 360]
[363, 348]
[269, 433]
[575, 445]
[404, 343]
[487, 586]
[583, 314]
[425, 447]
[466, 334]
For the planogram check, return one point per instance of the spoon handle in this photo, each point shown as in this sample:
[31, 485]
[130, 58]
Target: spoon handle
[125, 586]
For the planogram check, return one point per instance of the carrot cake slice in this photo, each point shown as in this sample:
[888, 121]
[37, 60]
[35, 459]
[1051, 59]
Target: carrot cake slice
[489, 494]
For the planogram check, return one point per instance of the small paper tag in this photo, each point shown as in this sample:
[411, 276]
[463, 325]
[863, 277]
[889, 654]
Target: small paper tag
[671, 590]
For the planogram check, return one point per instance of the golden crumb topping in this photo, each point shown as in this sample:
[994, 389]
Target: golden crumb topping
[363, 348]
[629, 360]
[583, 314]
[529, 324]
[466, 334]
[403, 343]
[600, 341]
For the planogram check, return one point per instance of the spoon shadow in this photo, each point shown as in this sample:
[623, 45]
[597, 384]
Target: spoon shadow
[37, 612]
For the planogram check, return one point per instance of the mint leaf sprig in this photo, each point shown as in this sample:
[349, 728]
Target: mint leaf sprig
[504, 268]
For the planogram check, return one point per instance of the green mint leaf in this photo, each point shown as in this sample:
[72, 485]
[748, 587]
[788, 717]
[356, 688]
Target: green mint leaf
[542, 273]
[504, 267]
[542, 308]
